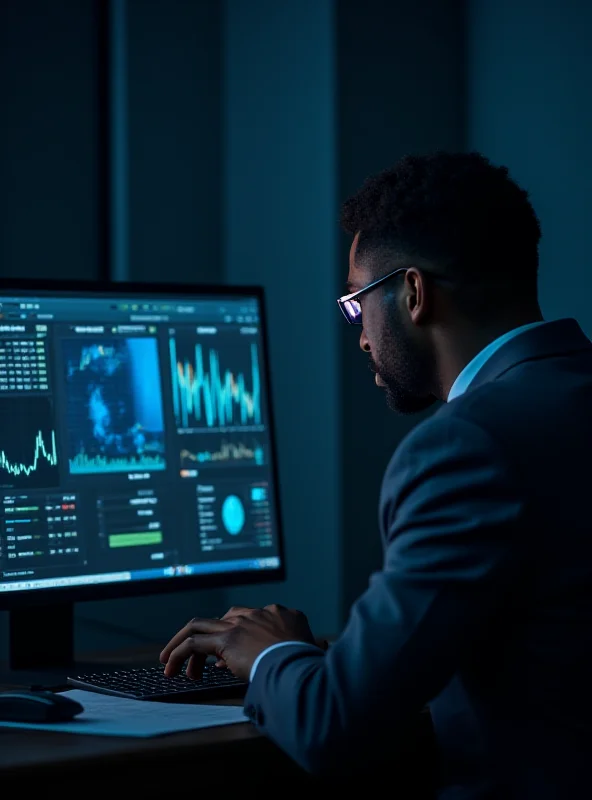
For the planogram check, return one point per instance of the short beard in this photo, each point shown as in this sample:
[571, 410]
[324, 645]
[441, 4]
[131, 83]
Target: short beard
[405, 370]
[404, 403]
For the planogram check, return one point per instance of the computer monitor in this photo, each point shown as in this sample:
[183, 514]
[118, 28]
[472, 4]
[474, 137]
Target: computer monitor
[137, 450]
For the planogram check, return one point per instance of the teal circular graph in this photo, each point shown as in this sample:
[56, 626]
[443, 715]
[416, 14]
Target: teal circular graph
[233, 515]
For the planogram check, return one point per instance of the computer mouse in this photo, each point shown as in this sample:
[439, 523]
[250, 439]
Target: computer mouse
[32, 706]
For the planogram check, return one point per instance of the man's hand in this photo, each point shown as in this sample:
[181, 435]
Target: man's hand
[236, 640]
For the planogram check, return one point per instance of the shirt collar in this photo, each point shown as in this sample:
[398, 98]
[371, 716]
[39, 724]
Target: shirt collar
[465, 377]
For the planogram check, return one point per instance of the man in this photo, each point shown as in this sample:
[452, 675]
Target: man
[483, 608]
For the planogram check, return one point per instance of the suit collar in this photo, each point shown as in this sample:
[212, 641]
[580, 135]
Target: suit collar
[558, 338]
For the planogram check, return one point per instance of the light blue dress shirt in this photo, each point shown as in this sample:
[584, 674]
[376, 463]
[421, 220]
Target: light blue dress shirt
[465, 377]
[460, 386]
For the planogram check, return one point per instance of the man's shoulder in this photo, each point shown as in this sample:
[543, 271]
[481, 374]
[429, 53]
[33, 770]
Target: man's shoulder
[492, 421]
[449, 460]
[451, 432]
[478, 412]
[488, 404]
[494, 409]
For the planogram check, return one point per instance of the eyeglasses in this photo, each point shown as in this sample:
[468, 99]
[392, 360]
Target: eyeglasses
[350, 305]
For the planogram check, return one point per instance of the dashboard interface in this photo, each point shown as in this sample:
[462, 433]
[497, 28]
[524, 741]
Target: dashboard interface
[135, 440]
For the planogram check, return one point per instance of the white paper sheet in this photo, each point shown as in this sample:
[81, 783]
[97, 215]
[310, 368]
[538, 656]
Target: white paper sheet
[105, 715]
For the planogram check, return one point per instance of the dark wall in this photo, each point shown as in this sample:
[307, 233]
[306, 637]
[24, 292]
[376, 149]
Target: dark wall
[530, 71]
[175, 140]
[401, 89]
[48, 139]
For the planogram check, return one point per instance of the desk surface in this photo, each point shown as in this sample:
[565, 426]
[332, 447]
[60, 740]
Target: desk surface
[44, 755]
[232, 757]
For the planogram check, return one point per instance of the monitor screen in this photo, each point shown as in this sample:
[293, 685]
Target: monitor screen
[136, 439]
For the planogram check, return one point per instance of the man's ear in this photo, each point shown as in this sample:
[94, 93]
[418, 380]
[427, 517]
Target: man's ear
[417, 295]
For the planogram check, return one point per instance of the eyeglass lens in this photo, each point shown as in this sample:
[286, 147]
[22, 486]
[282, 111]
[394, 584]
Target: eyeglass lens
[353, 310]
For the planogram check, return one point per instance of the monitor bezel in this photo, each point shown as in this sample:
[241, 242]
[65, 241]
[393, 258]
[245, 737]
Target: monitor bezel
[119, 590]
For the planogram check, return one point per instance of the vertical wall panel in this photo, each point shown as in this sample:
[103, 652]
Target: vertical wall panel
[48, 139]
[175, 140]
[529, 68]
[281, 232]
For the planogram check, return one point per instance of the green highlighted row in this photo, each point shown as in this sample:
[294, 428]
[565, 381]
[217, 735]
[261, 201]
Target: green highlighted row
[135, 539]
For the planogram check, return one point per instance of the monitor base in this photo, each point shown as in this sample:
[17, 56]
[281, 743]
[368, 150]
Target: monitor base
[41, 637]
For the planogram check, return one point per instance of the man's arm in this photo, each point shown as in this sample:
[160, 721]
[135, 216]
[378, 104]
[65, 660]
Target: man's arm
[450, 513]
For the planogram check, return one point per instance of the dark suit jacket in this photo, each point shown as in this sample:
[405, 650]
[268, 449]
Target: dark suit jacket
[483, 609]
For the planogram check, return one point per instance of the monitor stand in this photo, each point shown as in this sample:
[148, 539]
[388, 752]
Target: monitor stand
[41, 648]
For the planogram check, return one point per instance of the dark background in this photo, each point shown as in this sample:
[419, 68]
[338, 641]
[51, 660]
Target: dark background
[214, 142]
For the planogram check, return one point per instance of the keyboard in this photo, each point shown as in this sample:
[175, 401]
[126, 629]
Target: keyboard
[152, 684]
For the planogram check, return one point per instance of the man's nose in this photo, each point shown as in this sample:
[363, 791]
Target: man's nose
[364, 343]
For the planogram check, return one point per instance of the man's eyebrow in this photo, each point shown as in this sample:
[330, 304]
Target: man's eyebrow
[351, 287]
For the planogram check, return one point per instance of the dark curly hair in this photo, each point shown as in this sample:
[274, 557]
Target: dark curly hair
[457, 211]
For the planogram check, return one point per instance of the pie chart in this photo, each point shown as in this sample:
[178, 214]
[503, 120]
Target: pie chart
[233, 514]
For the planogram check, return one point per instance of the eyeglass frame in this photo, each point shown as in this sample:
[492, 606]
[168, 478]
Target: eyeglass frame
[347, 298]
